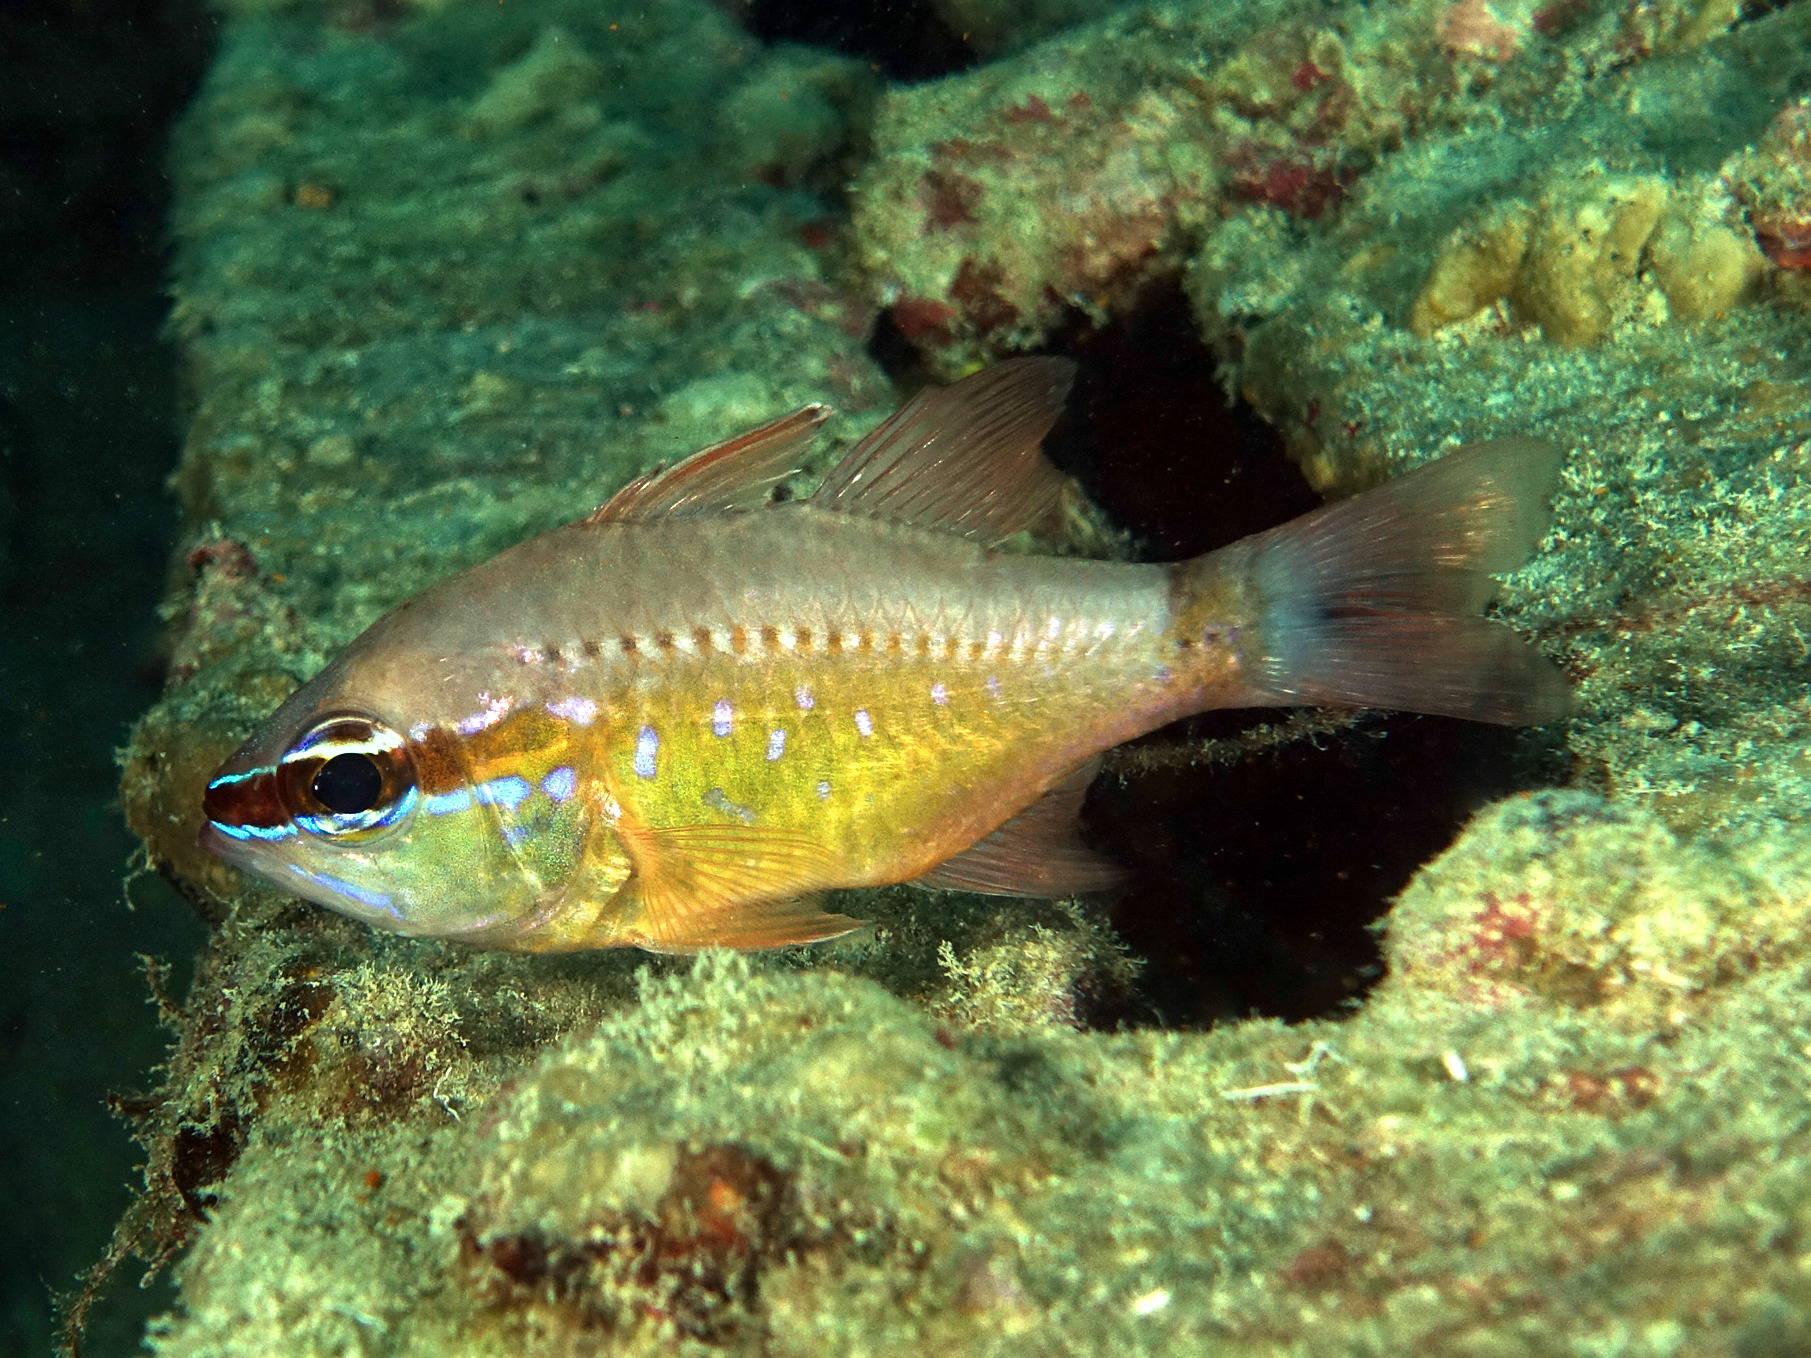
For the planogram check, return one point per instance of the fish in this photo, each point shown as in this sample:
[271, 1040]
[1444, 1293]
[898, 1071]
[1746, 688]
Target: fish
[681, 721]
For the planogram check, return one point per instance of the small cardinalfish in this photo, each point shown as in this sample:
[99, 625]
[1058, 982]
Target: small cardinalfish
[676, 723]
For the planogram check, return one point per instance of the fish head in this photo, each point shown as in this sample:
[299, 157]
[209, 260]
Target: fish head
[339, 797]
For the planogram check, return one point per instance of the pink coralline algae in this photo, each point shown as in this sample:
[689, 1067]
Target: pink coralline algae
[1069, 178]
[1476, 28]
[1773, 182]
[228, 604]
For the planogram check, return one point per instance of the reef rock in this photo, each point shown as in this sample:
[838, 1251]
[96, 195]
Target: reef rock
[449, 273]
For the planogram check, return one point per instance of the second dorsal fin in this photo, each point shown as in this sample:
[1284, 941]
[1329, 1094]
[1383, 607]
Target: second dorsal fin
[735, 474]
[964, 458]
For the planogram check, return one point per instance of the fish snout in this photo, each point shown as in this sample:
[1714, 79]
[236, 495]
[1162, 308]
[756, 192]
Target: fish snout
[241, 803]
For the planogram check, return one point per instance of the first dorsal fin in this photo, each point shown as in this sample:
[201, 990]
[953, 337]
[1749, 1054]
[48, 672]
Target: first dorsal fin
[1036, 853]
[738, 473]
[963, 458]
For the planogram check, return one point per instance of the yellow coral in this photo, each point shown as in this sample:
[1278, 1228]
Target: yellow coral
[1580, 269]
[1575, 261]
[1704, 268]
[1477, 267]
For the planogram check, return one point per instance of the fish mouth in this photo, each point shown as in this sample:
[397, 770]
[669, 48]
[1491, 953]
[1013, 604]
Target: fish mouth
[221, 844]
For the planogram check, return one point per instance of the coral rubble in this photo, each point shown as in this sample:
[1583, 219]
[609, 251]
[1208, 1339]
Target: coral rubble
[451, 273]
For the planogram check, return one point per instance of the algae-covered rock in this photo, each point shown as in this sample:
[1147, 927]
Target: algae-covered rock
[1076, 174]
[752, 1161]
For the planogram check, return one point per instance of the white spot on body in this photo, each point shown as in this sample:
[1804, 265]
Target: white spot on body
[723, 717]
[561, 783]
[490, 712]
[776, 744]
[579, 711]
[863, 722]
[647, 751]
[508, 791]
[823, 792]
[1151, 1302]
[940, 695]
[718, 800]
[993, 686]
[803, 697]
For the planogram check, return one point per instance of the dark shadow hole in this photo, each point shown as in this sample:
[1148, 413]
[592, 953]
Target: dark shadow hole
[1255, 884]
[904, 41]
[1750, 10]
[1154, 441]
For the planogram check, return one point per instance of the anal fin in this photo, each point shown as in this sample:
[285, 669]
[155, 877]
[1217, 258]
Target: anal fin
[1036, 853]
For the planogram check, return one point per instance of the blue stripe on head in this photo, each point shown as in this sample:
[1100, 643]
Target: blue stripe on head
[443, 803]
[374, 900]
[268, 832]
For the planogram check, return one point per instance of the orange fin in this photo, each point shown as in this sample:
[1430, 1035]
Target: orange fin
[729, 886]
[738, 473]
[757, 924]
[964, 458]
[1036, 853]
[1373, 601]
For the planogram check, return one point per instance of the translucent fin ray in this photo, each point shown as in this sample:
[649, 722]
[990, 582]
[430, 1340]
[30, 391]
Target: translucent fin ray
[694, 884]
[1373, 601]
[964, 458]
[737, 474]
[1036, 853]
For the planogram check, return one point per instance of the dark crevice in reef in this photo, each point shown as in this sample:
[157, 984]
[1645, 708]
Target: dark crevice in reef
[1255, 883]
[906, 41]
[1155, 443]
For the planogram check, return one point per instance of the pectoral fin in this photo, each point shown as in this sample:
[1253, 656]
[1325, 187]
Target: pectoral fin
[729, 886]
[752, 925]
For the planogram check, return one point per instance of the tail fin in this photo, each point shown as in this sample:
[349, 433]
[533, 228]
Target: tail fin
[1374, 601]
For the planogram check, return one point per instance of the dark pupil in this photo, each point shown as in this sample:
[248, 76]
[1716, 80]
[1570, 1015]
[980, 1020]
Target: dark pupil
[348, 784]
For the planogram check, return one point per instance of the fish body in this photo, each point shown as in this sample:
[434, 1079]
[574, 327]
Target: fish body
[674, 724]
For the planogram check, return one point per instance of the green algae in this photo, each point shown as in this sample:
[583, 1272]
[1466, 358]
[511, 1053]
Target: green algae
[1530, 1175]
[451, 277]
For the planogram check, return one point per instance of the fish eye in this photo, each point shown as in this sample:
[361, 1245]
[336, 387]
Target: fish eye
[348, 784]
[348, 775]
